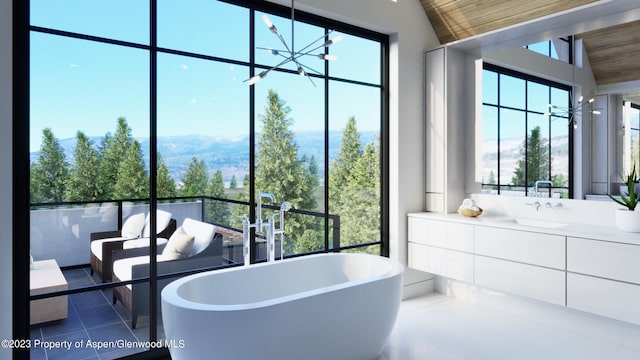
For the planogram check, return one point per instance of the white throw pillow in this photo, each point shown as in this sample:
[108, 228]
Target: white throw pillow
[132, 227]
[179, 245]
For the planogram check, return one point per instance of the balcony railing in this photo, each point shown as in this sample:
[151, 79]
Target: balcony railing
[62, 230]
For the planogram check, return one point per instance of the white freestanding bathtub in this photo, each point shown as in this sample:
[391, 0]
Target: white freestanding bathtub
[327, 306]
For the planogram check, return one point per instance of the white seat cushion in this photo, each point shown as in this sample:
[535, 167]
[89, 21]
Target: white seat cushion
[202, 233]
[162, 221]
[142, 242]
[96, 246]
[122, 267]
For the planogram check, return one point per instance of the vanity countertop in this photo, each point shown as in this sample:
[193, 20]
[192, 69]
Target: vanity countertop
[586, 231]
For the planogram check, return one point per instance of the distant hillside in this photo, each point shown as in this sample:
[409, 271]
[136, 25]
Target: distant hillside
[230, 155]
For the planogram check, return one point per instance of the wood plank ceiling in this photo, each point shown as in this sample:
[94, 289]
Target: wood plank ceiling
[613, 52]
[458, 19]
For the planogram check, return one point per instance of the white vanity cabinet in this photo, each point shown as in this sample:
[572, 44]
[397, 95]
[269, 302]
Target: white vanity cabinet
[524, 263]
[522, 246]
[563, 267]
[442, 248]
[604, 278]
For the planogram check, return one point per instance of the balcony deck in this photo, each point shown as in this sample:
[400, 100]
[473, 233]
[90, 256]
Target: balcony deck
[91, 317]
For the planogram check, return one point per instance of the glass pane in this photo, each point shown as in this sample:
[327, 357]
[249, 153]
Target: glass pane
[560, 157]
[358, 59]
[512, 92]
[203, 141]
[538, 151]
[541, 48]
[354, 176]
[116, 19]
[512, 150]
[205, 27]
[489, 87]
[289, 145]
[537, 97]
[79, 85]
[489, 149]
[306, 38]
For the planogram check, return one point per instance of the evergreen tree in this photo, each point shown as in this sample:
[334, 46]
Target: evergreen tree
[536, 151]
[132, 181]
[360, 218]
[217, 211]
[36, 194]
[234, 183]
[279, 170]
[166, 186]
[343, 165]
[49, 174]
[195, 179]
[114, 150]
[81, 184]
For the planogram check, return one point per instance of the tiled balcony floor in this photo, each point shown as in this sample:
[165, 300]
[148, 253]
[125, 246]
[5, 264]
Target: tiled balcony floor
[91, 316]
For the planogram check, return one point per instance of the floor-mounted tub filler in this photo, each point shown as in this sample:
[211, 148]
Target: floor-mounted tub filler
[326, 306]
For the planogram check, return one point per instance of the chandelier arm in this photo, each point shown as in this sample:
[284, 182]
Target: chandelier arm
[312, 69]
[315, 41]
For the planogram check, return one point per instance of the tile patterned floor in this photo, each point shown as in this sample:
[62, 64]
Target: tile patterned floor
[91, 316]
[439, 327]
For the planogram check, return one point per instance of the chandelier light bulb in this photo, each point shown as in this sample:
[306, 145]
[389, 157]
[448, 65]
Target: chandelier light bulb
[257, 78]
[591, 100]
[269, 24]
[301, 71]
[596, 112]
[328, 57]
[334, 40]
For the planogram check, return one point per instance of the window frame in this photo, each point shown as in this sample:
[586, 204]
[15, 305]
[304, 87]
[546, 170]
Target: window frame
[21, 204]
[499, 70]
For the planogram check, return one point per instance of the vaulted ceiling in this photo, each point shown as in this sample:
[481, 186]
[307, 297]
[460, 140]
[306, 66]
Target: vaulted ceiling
[613, 51]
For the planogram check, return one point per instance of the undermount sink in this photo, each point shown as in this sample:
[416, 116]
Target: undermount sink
[536, 223]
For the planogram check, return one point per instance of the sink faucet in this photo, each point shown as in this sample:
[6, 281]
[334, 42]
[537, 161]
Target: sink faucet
[536, 204]
[537, 184]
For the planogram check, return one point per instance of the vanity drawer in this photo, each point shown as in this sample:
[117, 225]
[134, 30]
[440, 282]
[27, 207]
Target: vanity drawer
[604, 297]
[523, 246]
[526, 280]
[604, 259]
[448, 263]
[444, 234]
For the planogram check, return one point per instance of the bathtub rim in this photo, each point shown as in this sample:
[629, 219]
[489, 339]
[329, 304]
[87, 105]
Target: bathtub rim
[170, 292]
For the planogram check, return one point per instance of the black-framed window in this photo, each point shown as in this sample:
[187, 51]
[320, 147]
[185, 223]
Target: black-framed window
[522, 142]
[152, 68]
[558, 49]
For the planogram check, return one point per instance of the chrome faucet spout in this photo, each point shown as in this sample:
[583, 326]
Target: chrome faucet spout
[259, 223]
[537, 185]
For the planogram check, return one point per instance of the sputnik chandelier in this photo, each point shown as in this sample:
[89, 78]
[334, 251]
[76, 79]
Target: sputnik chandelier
[558, 111]
[291, 55]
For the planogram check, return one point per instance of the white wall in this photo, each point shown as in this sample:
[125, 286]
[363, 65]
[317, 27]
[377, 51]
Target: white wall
[6, 241]
[410, 36]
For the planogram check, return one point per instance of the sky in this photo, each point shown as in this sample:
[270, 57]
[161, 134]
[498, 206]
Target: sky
[85, 85]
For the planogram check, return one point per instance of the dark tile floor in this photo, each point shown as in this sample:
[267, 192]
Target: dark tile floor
[93, 318]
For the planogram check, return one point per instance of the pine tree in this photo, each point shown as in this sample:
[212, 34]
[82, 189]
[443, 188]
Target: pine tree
[279, 170]
[234, 183]
[217, 211]
[360, 218]
[195, 178]
[114, 149]
[536, 162]
[49, 174]
[166, 186]
[343, 165]
[132, 181]
[81, 183]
